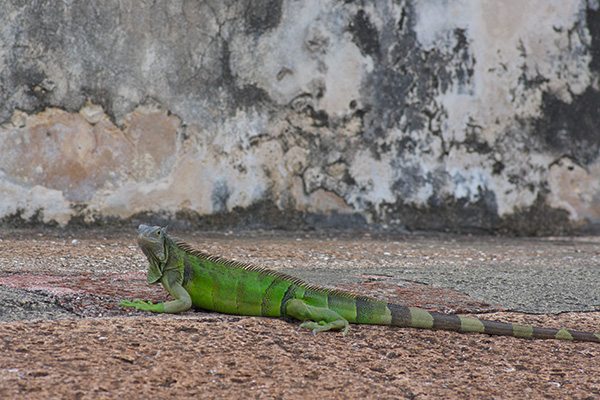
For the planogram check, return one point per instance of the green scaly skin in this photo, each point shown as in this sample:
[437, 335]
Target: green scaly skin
[198, 279]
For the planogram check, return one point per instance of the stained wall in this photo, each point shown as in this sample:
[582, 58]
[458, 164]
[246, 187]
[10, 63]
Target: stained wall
[420, 115]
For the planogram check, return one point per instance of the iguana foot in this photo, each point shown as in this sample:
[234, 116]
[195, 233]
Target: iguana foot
[327, 319]
[322, 326]
[142, 305]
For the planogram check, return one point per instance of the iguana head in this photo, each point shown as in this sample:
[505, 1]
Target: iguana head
[152, 241]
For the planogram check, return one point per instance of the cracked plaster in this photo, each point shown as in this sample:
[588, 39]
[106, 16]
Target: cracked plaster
[415, 115]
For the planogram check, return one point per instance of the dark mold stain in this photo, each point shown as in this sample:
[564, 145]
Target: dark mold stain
[244, 97]
[320, 118]
[593, 25]
[219, 196]
[571, 129]
[447, 214]
[365, 35]
[465, 68]
[262, 16]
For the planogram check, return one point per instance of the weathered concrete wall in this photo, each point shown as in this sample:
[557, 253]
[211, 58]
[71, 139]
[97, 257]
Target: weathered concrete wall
[432, 114]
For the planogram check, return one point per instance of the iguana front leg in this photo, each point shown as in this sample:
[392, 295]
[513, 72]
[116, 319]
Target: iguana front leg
[316, 318]
[182, 301]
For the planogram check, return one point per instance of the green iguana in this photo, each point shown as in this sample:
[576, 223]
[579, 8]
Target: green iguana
[195, 278]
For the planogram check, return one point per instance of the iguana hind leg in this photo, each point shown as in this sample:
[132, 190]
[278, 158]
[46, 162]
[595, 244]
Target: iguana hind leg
[318, 319]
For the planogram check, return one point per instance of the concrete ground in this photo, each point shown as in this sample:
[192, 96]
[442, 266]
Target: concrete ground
[64, 336]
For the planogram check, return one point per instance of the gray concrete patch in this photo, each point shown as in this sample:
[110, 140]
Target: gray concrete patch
[535, 289]
[538, 289]
[18, 304]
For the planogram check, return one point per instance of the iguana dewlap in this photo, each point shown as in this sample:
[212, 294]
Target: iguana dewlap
[195, 278]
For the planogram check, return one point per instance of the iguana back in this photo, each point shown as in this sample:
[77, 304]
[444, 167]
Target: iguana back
[196, 278]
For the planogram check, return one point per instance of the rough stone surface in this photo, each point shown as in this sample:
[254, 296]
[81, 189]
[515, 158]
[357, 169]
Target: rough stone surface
[462, 116]
[228, 357]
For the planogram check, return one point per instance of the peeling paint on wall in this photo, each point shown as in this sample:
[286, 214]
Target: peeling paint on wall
[462, 116]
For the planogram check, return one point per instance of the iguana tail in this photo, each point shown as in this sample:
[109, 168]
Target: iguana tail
[332, 309]
[418, 318]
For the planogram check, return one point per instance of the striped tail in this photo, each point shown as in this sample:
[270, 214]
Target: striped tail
[418, 318]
